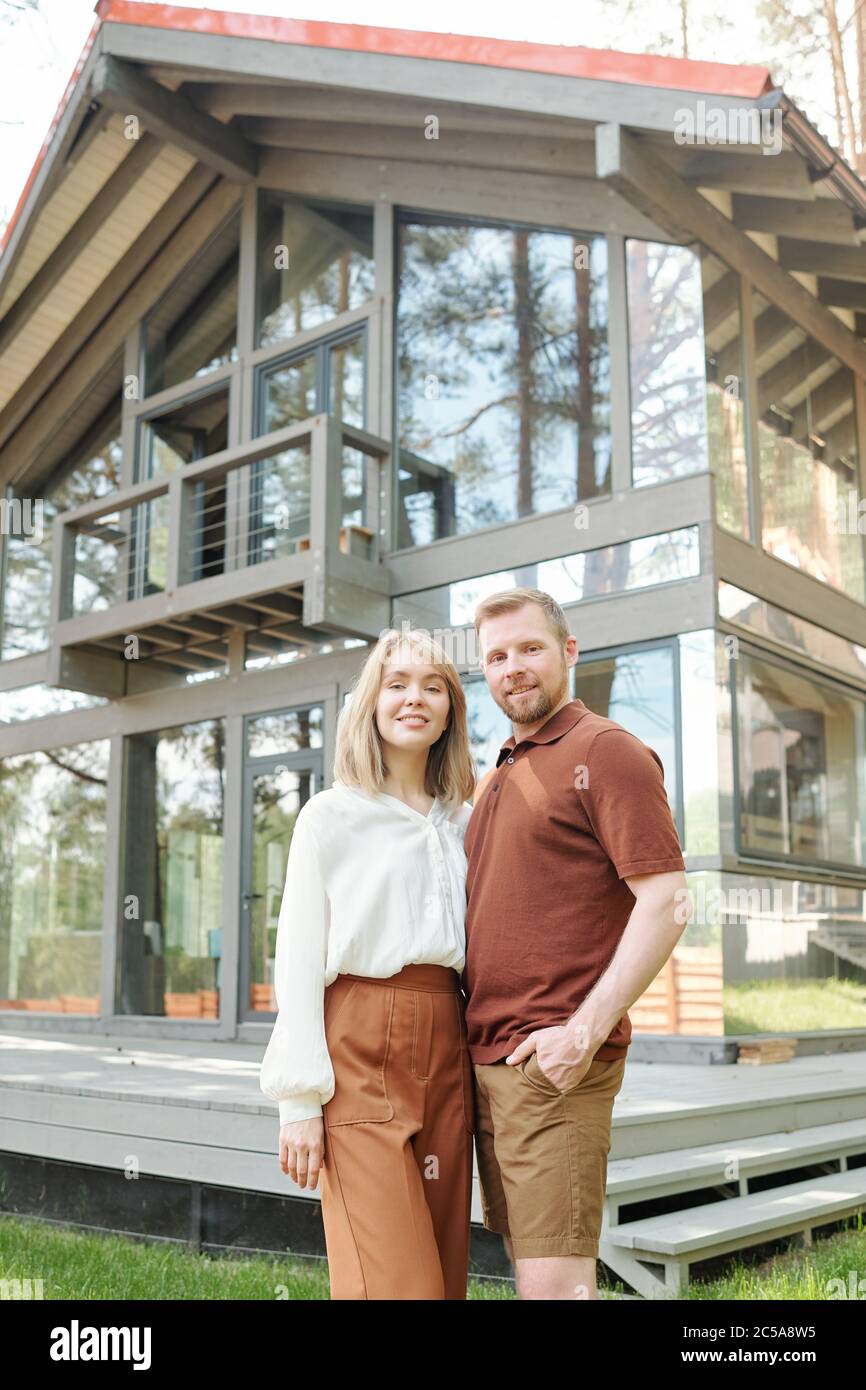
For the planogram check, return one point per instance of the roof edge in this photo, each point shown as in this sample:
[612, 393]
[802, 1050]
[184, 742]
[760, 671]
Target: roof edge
[46, 143]
[590, 64]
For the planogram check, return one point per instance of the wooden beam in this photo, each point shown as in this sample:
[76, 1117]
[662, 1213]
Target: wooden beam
[123, 275]
[780, 381]
[784, 175]
[570, 203]
[816, 219]
[769, 328]
[73, 242]
[122, 87]
[843, 294]
[819, 258]
[827, 404]
[535, 154]
[721, 301]
[626, 164]
[289, 101]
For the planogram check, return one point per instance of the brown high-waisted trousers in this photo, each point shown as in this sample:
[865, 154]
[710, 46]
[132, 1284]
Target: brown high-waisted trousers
[397, 1178]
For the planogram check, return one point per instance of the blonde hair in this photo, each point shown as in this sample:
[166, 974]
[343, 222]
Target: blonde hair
[509, 599]
[359, 760]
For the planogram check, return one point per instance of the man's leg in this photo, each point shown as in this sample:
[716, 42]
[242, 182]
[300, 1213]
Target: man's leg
[549, 1155]
[556, 1277]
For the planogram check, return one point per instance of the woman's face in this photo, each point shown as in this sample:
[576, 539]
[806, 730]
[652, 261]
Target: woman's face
[413, 706]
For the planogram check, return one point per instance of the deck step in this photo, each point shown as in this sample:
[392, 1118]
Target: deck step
[683, 1170]
[760, 1215]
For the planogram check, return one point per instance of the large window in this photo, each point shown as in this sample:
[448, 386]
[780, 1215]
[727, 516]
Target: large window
[588, 574]
[808, 453]
[666, 354]
[93, 471]
[315, 261]
[763, 955]
[801, 761]
[53, 819]
[488, 725]
[194, 327]
[726, 429]
[636, 689]
[328, 377]
[503, 374]
[171, 913]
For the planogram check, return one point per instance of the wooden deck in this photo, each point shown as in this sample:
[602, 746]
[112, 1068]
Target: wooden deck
[193, 1112]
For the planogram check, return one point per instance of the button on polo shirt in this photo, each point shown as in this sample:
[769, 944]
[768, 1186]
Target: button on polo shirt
[570, 813]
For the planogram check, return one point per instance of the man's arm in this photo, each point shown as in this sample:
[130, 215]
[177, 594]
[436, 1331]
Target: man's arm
[657, 922]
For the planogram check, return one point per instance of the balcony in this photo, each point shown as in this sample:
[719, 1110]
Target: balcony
[276, 543]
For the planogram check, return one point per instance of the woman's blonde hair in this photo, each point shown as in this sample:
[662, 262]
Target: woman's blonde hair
[359, 760]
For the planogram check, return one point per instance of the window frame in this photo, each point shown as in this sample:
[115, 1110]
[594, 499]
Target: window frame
[402, 213]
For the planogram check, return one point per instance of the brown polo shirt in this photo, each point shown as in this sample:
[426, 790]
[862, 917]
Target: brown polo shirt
[546, 898]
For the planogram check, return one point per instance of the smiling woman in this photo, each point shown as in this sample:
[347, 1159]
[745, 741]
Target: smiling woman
[368, 1058]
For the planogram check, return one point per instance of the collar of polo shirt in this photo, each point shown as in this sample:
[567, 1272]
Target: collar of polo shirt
[557, 725]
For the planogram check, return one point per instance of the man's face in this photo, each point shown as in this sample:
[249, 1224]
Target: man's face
[524, 665]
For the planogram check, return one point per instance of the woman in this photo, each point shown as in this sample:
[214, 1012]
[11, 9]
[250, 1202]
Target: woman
[368, 1054]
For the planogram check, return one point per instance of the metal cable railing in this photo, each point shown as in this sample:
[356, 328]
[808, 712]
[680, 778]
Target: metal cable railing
[274, 498]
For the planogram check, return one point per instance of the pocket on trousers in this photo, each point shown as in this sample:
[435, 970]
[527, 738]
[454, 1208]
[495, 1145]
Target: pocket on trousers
[532, 1072]
[358, 1034]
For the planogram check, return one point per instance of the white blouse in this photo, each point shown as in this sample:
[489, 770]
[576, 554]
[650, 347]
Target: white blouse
[371, 885]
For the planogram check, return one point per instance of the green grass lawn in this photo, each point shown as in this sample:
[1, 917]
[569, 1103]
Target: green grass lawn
[794, 1006]
[76, 1264]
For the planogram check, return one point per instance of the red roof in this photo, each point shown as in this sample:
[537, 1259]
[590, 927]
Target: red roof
[591, 64]
[595, 64]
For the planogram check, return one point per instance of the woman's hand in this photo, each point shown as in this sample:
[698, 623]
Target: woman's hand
[302, 1148]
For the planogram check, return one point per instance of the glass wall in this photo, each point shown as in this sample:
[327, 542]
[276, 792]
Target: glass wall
[171, 908]
[283, 769]
[26, 702]
[723, 366]
[637, 689]
[488, 726]
[762, 955]
[329, 377]
[835, 652]
[808, 453]
[93, 471]
[701, 713]
[315, 260]
[801, 762]
[193, 329]
[503, 374]
[667, 365]
[52, 815]
[569, 579]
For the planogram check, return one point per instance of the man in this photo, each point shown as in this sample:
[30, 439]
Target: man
[576, 896]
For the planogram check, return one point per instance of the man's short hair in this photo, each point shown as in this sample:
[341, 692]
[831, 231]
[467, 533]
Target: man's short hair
[509, 599]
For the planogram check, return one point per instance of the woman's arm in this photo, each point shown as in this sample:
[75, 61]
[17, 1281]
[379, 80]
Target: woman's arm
[296, 1069]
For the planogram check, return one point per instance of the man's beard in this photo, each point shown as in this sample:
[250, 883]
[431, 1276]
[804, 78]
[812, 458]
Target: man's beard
[531, 710]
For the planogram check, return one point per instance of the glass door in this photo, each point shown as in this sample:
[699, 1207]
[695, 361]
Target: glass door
[276, 786]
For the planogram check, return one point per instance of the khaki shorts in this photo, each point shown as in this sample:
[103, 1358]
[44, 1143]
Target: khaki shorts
[542, 1154]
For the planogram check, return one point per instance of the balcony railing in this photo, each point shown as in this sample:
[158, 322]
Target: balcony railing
[301, 508]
